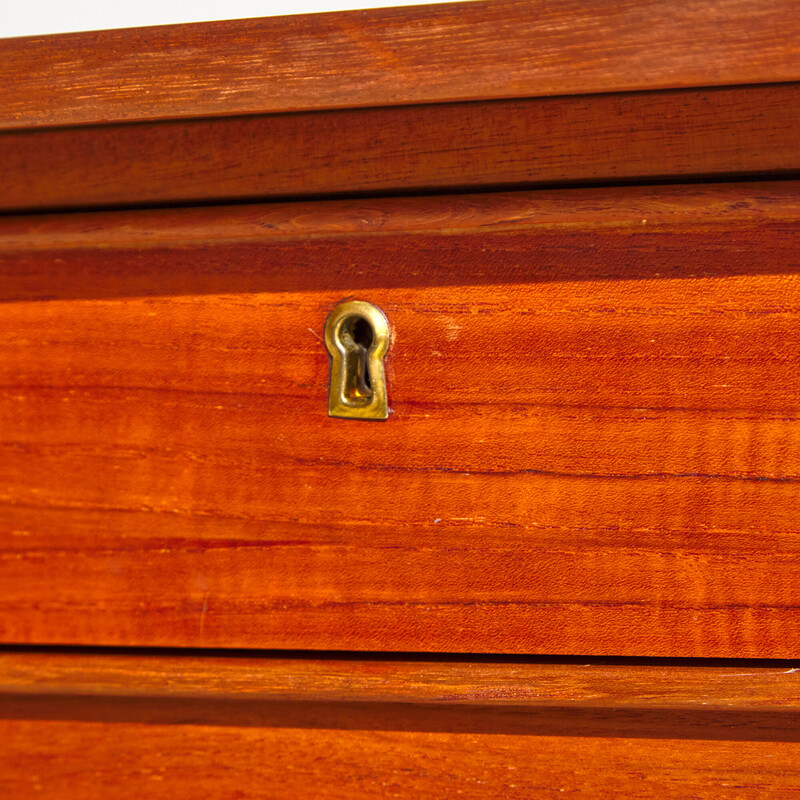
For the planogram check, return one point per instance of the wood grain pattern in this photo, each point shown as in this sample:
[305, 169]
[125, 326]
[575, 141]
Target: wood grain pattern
[722, 131]
[86, 725]
[465, 51]
[90, 747]
[694, 208]
[377, 679]
[592, 448]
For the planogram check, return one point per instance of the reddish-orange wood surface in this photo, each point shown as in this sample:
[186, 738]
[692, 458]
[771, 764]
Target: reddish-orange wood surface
[592, 450]
[88, 747]
[86, 725]
[465, 51]
[713, 685]
[608, 137]
[593, 445]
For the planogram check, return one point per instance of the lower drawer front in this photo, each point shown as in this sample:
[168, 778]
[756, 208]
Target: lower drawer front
[133, 726]
[55, 756]
[594, 444]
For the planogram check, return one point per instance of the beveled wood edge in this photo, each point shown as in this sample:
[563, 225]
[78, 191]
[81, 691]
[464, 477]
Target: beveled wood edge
[497, 145]
[450, 682]
[421, 54]
[642, 208]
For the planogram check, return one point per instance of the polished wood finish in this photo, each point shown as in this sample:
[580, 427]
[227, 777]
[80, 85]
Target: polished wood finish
[593, 445]
[631, 209]
[598, 138]
[516, 682]
[82, 750]
[439, 53]
[86, 726]
[592, 448]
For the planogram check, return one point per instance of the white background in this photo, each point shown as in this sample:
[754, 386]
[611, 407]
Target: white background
[29, 18]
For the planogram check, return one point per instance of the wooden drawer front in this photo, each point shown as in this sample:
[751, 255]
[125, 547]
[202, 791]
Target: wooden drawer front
[82, 726]
[69, 747]
[595, 444]
[453, 146]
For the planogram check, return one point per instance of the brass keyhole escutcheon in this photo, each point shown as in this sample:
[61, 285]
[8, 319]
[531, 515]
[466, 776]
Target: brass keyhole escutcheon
[357, 337]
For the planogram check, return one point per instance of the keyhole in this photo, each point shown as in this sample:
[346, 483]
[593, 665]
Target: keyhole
[362, 333]
[363, 336]
[357, 337]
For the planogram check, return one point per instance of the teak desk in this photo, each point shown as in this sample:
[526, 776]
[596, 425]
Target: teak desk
[567, 562]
